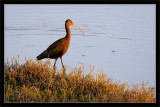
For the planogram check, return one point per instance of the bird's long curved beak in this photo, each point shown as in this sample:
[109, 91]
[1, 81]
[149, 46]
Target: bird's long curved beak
[78, 28]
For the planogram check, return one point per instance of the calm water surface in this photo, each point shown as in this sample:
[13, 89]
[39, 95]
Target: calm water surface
[120, 39]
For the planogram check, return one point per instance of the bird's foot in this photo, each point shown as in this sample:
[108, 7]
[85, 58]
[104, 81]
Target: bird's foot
[54, 68]
[64, 70]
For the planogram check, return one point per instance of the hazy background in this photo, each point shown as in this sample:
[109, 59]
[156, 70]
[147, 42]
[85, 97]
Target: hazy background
[120, 38]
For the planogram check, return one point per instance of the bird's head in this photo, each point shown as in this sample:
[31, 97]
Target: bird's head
[69, 23]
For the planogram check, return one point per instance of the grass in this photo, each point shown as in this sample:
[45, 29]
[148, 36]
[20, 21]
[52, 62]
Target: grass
[36, 81]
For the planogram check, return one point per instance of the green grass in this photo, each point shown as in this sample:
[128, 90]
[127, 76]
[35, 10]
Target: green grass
[36, 81]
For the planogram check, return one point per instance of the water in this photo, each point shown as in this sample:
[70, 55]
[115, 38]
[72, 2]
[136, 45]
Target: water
[119, 38]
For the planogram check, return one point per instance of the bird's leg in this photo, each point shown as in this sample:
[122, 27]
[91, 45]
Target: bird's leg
[63, 69]
[55, 63]
[62, 62]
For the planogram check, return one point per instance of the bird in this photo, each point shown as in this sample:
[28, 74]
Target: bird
[58, 48]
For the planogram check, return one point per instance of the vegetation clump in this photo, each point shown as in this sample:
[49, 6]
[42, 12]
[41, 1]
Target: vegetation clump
[36, 81]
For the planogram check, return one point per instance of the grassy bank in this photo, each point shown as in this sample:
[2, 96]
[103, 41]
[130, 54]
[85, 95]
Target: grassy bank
[35, 81]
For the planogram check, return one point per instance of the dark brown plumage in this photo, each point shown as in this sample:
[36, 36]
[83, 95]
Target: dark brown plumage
[59, 47]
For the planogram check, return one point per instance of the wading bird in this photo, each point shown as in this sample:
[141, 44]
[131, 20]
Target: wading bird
[59, 47]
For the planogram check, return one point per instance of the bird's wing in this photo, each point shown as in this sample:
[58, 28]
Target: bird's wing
[55, 48]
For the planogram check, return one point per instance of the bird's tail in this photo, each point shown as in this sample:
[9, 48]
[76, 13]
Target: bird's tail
[39, 57]
[42, 55]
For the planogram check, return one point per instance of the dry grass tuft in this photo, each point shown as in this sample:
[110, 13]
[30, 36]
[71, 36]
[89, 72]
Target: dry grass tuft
[35, 81]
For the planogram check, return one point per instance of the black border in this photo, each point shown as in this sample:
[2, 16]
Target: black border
[2, 52]
[3, 2]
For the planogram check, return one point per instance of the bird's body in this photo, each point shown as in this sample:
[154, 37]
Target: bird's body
[55, 50]
[59, 47]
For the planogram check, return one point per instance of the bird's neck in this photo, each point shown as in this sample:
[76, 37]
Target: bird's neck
[68, 32]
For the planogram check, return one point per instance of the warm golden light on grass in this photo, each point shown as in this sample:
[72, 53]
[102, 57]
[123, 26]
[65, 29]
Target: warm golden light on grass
[36, 81]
